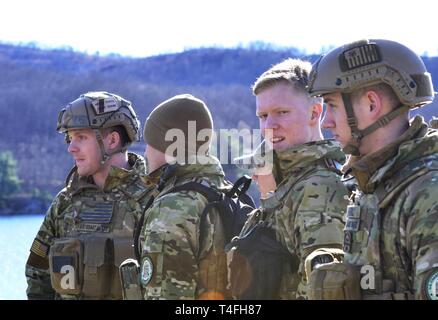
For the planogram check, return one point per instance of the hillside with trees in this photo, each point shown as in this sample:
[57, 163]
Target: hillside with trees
[36, 83]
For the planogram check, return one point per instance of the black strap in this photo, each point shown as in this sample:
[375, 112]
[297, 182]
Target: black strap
[213, 197]
[240, 186]
[207, 192]
[216, 199]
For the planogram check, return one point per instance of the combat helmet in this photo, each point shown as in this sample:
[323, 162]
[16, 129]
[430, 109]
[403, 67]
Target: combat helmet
[100, 110]
[367, 62]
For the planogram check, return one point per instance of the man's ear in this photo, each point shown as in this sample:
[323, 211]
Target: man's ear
[316, 111]
[375, 104]
[113, 139]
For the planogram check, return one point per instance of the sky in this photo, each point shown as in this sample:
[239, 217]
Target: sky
[141, 28]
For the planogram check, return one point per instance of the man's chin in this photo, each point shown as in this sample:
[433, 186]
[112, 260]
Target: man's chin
[82, 172]
[342, 143]
[281, 146]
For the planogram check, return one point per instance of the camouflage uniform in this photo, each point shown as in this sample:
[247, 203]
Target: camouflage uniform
[307, 208]
[175, 262]
[71, 216]
[396, 229]
[390, 238]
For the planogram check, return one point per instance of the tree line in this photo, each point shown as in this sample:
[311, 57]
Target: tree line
[36, 83]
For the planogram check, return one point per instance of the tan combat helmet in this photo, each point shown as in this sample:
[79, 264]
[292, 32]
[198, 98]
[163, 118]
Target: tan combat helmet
[368, 62]
[99, 110]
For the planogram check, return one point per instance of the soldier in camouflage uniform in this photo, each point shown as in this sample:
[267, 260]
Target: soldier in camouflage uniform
[176, 261]
[88, 230]
[391, 232]
[303, 198]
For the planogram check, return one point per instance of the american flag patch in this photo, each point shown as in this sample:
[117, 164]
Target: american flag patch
[100, 213]
[360, 56]
[39, 248]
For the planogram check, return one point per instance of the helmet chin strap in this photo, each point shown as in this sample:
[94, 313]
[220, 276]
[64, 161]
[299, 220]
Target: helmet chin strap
[352, 146]
[105, 155]
[357, 135]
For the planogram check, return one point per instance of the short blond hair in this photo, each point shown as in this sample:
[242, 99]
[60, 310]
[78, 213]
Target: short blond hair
[294, 71]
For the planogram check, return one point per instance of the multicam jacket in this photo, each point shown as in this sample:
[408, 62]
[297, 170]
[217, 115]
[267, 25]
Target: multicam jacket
[82, 209]
[307, 208]
[395, 226]
[175, 262]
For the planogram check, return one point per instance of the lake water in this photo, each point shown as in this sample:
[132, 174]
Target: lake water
[16, 236]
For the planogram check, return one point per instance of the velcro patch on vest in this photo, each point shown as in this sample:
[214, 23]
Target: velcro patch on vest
[39, 248]
[92, 227]
[59, 261]
[353, 211]
[352, 224]
[353, 218]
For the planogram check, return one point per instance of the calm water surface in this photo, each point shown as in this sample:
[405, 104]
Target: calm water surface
[16, 236]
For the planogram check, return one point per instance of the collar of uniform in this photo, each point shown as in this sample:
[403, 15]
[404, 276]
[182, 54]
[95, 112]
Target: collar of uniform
[371, 169]
[117, 175]
[138, 168]
[210, 171]
[202, 166]
[293, 160]
[154, 176]
[76, 182]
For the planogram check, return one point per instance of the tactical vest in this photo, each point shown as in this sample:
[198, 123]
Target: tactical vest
[96, 236]
[365, 219]
[212, 275]
[259, 259]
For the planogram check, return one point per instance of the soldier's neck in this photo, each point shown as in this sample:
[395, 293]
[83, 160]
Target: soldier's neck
[383, 137]
[117, 160]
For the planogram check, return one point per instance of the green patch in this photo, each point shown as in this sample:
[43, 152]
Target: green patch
[147, 270]
[431, 287]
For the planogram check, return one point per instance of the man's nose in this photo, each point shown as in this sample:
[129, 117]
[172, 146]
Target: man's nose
[271, 122]
[72, 147]
[327, 121]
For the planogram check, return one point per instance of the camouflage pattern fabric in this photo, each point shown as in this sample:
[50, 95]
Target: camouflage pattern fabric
[403, 246]
[175, 263]
[307, 208]
[129, 189]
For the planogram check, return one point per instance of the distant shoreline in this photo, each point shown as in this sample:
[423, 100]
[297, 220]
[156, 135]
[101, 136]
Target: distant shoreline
[6, 215]
[24, 205]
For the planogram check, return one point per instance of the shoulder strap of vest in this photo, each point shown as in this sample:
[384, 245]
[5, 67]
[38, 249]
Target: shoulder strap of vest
[200, 187]
[213, 196]
[387, 191]
[332, 165]
[168, 173]
[283, 189]
[215, 200]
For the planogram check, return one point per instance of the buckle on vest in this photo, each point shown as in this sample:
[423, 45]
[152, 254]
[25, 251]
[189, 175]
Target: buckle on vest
[348, 239]
[352, 225]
